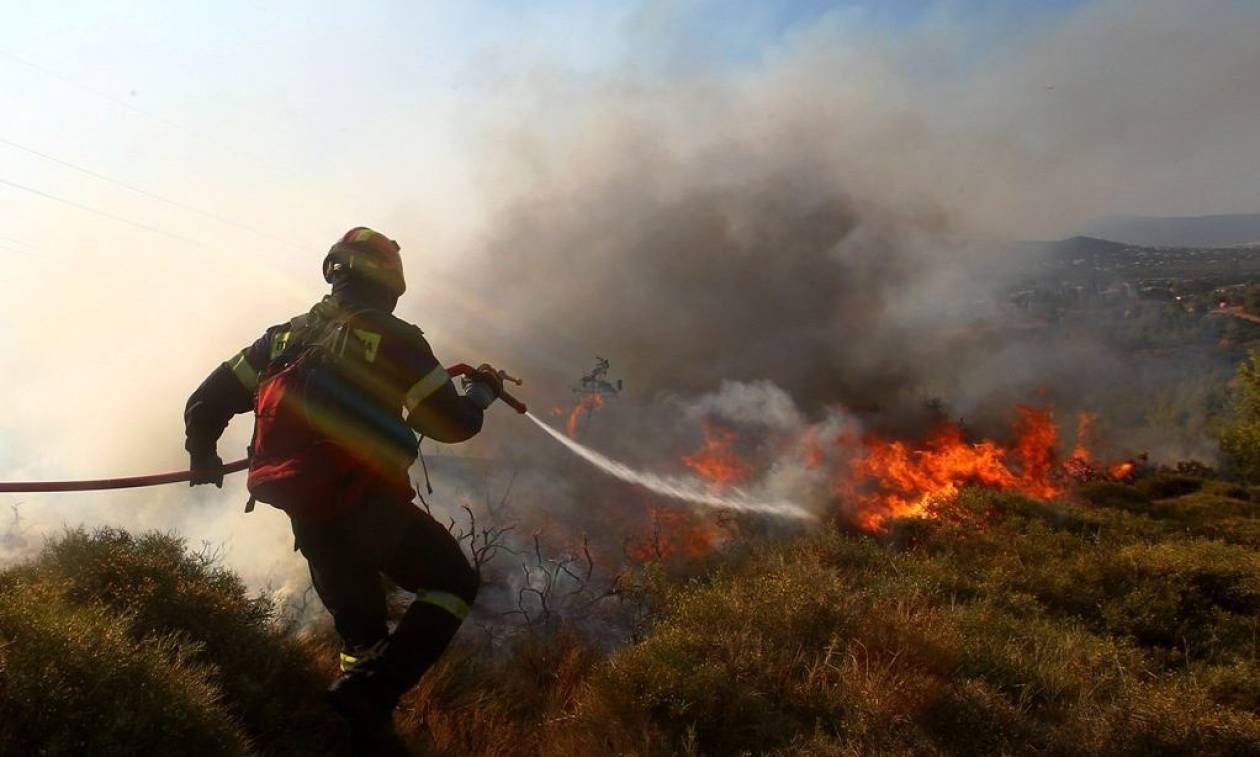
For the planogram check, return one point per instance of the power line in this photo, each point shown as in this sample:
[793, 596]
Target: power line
[11, 248]
[146, 193]
[103, 213]
[142, 112]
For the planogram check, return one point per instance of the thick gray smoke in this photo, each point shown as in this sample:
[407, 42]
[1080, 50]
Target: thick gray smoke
[825, 218]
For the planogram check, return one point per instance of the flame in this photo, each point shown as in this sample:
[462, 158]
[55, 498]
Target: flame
[1084, 437]
[811, 450]
[716, 461]
[587, 404]
[890, 479]
[1036, 437]
[1122, 471]
[673, 534]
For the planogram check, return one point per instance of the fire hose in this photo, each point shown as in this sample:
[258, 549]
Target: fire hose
[156, 479]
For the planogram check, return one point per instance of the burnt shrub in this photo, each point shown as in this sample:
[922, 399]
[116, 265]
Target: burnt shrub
[1163, 484]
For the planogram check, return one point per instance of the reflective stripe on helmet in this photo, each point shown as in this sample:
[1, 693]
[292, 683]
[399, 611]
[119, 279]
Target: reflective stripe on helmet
[445, 600]
[245, 372]
[426, 386]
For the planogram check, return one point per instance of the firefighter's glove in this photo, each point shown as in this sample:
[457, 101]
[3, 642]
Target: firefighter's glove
[485, 386]
[206, 468]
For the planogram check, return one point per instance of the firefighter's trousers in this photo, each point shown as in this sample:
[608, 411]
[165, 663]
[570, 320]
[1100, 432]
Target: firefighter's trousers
[384, 535]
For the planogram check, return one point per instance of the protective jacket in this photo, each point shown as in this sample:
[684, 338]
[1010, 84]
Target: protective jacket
[387, 373]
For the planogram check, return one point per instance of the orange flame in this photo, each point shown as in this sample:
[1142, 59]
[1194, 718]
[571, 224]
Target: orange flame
[1036, 436]
[673, 534]
[1122, 471]
[811, 450]
[716, 461]
[587, 404]
[892, 479]
[1084, 437]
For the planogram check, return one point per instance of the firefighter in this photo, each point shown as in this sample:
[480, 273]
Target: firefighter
[343, 474]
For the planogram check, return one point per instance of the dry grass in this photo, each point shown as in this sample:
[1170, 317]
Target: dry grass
[1116, 625]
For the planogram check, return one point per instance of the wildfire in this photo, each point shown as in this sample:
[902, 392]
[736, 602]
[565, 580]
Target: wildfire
[878, 479]
[672, 534]
[716, 462]
[811, 450]
[1084, 437]
[1122, 471]
[892, 479]
[588, 404]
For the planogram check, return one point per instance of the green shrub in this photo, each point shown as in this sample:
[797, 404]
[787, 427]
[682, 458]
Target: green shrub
[1227, 489]
[158, 592]
[75, 681]
[166, 589]
[1195, 469]
[997, 626]
[1240, 434]
[1162, 485]
[1112, 494]
[1203, 507]
[1007, 627]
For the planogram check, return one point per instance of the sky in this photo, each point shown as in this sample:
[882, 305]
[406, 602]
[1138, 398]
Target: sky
[171, 173]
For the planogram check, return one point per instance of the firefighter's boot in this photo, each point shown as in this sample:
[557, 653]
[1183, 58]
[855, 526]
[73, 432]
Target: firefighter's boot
[367, 702]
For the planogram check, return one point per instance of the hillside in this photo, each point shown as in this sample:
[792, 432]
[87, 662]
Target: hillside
[1179, 231]
[1090, 260]
[1122, 622]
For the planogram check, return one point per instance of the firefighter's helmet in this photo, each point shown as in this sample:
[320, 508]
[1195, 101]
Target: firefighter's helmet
[368, 254]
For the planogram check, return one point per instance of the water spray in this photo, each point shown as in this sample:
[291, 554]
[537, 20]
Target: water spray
[687, 490]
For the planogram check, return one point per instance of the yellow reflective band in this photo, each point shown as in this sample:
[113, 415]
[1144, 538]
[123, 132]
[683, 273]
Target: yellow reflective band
[279, 342]
[421, 390]
[445, 600]
[244, 371]
[348, 662]
[364, 235]
[371, 343]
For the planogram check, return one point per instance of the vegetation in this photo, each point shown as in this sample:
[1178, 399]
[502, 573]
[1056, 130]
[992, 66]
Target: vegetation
[1240, 436]
[1124, 622]
[115, 644]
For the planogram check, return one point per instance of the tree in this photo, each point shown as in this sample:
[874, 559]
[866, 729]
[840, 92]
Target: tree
[1240, 436]
[1251, 299]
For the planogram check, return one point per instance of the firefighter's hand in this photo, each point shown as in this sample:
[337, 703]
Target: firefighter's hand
[486, 374]
[484, 386]
[206, 468]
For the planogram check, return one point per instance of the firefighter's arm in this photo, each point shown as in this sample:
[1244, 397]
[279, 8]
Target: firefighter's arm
[437, 410]
[228, 390]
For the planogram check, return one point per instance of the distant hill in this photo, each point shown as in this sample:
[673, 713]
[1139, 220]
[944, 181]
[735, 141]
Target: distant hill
[1179, 231]
[1088, 258]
